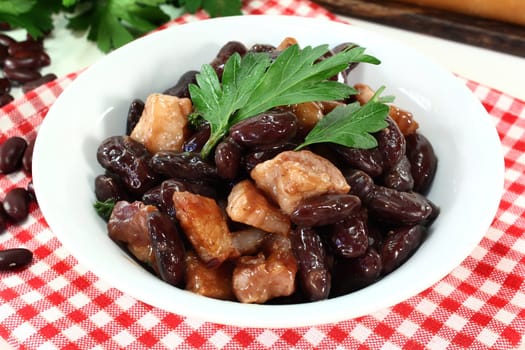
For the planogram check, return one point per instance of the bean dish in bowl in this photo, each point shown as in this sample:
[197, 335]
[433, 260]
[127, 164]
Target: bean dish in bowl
[261, 182]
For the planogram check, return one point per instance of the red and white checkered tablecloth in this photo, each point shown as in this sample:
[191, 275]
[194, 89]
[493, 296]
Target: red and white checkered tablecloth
[57, 303]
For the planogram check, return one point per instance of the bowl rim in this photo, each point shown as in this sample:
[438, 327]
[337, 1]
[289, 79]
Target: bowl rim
[234, 313]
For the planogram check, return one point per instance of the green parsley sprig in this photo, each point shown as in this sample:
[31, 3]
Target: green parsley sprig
[109, 23]
[255, 84]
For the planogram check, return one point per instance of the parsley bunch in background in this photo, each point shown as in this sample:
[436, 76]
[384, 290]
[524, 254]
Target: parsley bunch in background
[110, 23]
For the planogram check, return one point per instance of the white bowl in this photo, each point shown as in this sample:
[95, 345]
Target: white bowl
[468, 184]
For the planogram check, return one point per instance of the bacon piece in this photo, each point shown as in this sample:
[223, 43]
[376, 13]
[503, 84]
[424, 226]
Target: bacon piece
[211, 282]
[204, 224]
[248, 205]
[163, 123]
[292, 176]
[128, 224]
[269, 274]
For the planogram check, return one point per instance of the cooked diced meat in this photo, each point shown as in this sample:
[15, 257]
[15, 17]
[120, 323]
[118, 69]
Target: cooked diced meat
[163, 123]
[248, 241]
[128, 225]
[269, 274]
[292, 176]
[210, 282]
[248, 205]
[204, 223]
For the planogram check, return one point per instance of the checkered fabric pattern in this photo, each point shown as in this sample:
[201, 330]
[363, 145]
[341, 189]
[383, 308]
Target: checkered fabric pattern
[56, 303]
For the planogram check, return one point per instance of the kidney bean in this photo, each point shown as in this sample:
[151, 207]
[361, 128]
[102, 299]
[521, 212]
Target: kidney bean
[398, 208]
[349, 237]
[15, 258]
[16, 204]
[313, 273]
[6, 40]
[17, 47]
[264, 129]
[5, 86]
[391, 143]
[423, 161]
[324, 209]
[136, 107]
[181, 89]
[188, 166]
[5, 99]
[108, 187]
[11, 153]
[3, 218]
[27, 158]
[129, 160]
[350, 275]
[3, 54]
[31, 62]
[22, 75]
[31, 190]
[399, 244]
[262, 48]
[225, 53]
[351, 66]
[399, 177]
[170, 255]
[228, 159]
[196, 141]
[263, 153]
[361, 184]
[153, 197]
[368, 160]
[33, 84]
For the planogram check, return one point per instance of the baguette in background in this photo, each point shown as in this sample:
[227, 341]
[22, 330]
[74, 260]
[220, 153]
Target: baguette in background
[512, 11]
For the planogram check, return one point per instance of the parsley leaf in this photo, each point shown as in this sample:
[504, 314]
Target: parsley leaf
[34, 16]
[104, 209]
[255, 84]
[350, 125]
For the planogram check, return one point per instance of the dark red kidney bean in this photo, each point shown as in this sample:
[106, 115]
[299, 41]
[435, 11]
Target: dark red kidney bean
[353, 274]
[170, 255]
[339, 48]
[264, 129]
[264, 153]
[368, 160]
[27, 158]
[136, 107]
[180, 89]
[5, 99]
[109, 188]
[188, 166]
[33, 84]
[11, 153]
[15, 258]
[228, 159]
[32, 62]
[152, 197]
[423, 161]
[3, 54]
[262, 48]
[314, 275]
[31, 190]
[129, 160]
[23, 46]
[5, 26]
[325, 209]
[349, 237]
[197, 140]
[6, 40]
[375, 234]
[225, 53]
[433, 215]
[399, 244]
[361, 184]
[398, 208]
[3, 218]
[399, 177]
[16, 204]
[391, 143]
[5, 86]
[21, 75]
